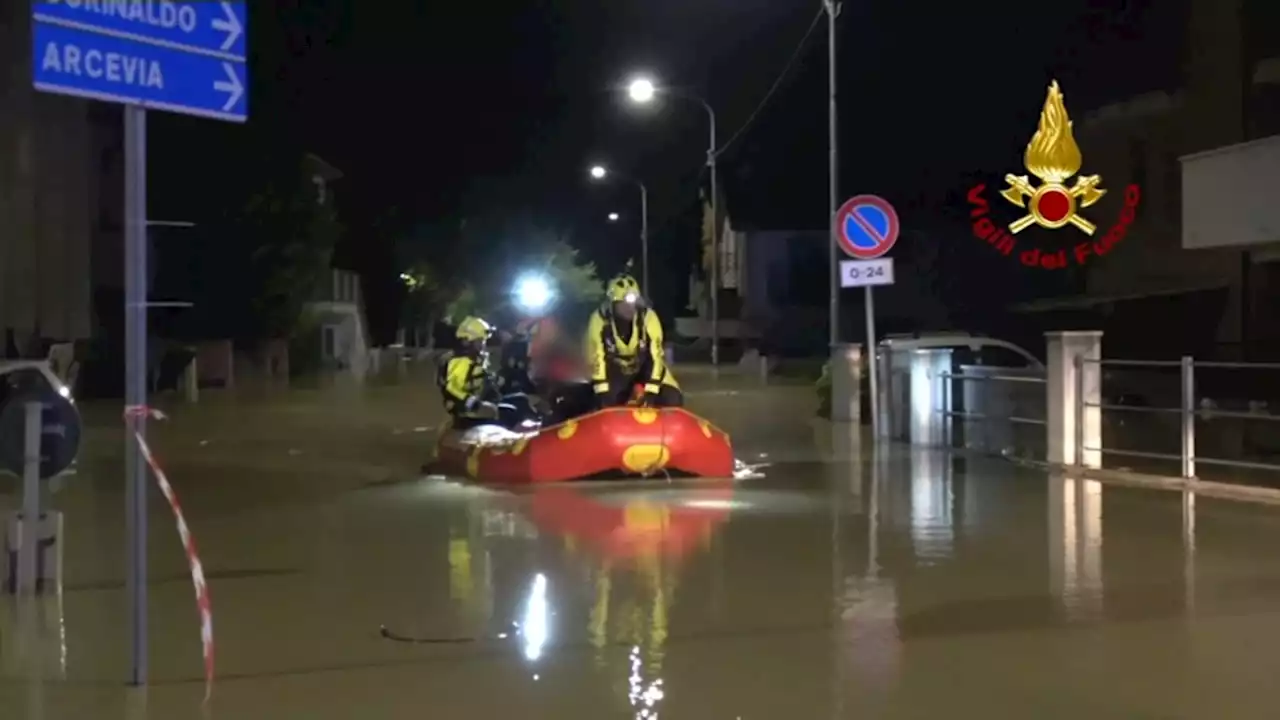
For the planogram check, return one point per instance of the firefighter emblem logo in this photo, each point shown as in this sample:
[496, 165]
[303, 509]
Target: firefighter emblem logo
[1054, 158]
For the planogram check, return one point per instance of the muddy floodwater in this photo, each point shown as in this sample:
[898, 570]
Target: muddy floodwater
[843, 583]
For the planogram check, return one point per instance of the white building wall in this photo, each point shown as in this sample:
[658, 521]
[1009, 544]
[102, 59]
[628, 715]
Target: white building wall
[1231, 197]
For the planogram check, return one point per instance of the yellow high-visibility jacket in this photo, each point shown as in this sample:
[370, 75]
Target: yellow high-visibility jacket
[633, 348]
[464, 382]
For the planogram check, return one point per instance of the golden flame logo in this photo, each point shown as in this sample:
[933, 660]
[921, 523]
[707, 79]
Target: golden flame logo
[1053, 156]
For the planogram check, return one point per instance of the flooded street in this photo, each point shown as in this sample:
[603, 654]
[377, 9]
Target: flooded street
[843, 584]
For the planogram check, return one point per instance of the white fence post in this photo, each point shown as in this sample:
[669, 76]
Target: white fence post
[191, 380]
[1188, 417]
[846, 383]
[46, 569]
[929, 376]
[1070, 393]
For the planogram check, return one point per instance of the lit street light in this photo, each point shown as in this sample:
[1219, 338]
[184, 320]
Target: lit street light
[642, 90]
[599, 172]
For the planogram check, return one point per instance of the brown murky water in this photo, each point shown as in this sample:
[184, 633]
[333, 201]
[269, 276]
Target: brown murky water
[841, 585]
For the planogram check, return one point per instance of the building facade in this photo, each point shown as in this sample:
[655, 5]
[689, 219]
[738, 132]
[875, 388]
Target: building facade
[338, 310]
[1217, 290]
[49, 190]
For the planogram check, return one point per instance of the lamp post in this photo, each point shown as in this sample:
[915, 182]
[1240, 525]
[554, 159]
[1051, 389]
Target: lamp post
[600, 172]
[642, 90]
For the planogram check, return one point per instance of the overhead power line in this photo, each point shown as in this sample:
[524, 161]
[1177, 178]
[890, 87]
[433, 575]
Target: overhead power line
[777, 83]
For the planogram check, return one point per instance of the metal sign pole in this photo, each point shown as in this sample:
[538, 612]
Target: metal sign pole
[29, 534]
[135, 380]
[867, 227]
[873, 376]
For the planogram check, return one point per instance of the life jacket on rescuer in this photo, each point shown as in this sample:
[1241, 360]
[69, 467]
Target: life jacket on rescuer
[623, 352]
[465, 380]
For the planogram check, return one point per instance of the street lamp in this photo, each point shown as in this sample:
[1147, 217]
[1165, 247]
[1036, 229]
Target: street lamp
[600, 172]
[642, 90]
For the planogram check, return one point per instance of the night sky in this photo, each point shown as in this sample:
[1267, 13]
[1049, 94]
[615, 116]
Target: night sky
[452, 110]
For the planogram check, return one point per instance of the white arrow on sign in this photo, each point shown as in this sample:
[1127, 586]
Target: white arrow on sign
[232, 86]
[231, 26]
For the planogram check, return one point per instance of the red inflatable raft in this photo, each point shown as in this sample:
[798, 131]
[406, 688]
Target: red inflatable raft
[616, 442]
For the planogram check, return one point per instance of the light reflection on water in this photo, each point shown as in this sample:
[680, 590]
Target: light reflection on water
[1075, 546]
[932, 507]
[631, 545]
[535, 626]
[643, 695]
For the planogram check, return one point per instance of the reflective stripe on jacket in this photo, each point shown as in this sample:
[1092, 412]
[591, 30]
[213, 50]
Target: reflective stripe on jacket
[464, 382]
[629, 351]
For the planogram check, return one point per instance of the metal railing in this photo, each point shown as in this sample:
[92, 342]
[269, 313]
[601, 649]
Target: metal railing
[994, 403]
[1188, 412]
[989, 378]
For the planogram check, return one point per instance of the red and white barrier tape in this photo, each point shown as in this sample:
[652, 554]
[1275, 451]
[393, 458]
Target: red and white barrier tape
[132, 414]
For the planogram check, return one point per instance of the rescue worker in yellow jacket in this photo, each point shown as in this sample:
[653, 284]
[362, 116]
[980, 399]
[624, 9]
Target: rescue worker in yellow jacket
[470, 391]
[624, 349]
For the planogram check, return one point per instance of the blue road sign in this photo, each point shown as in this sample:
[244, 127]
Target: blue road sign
[866, 227]
[183, 57]
[198, 26]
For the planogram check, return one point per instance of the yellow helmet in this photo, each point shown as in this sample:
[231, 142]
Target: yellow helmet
[474, 329]
[623, 288]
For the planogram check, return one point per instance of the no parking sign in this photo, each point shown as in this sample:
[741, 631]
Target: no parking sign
[866, 227]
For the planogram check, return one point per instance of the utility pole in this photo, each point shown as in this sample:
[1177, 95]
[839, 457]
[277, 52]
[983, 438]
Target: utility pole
[715, 242]
[833, 175]
[833, 278]
[833, 8]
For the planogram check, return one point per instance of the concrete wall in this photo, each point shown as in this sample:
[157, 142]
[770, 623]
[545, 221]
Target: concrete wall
[1230, 196]
[47, 202]
[1140, 141]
